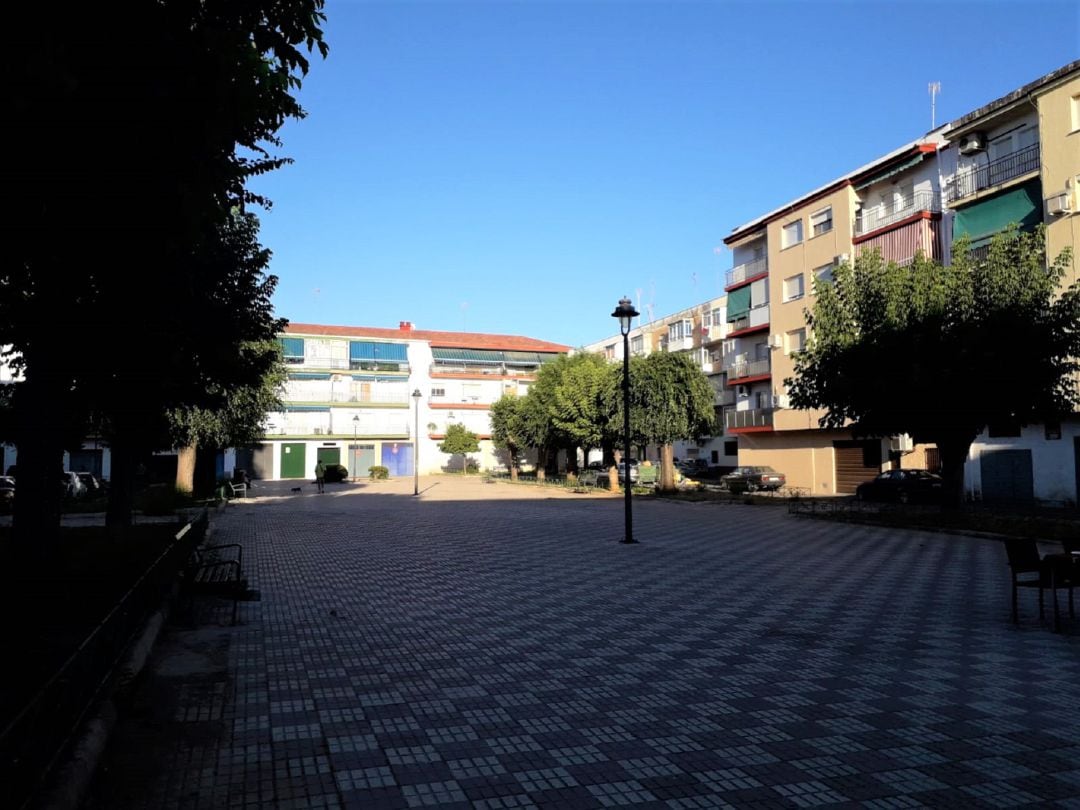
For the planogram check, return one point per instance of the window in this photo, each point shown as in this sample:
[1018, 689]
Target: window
[731, 448]
[824, 274]
[792, 234]
[438, 392]
[714, 457]
[1075, 113]
[795, 341]
[717, 316]
[1052, 431]
[821, 222]
[637, 344]
[470, 391]
[793, 288]
[609, 352]
[706, 319]
[762, 400]
[292, 350]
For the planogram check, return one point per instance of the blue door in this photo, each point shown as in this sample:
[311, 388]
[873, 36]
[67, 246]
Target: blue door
[398, 458]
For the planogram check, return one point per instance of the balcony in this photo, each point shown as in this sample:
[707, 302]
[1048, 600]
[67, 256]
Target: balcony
[875, 218]
[737, 275]
[725, 398]
[760, 418]
[458, 370]
[758, 316]
[994, 173]
[747, 368]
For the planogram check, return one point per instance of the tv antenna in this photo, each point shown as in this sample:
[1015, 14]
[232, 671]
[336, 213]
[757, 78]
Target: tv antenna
[933, 89]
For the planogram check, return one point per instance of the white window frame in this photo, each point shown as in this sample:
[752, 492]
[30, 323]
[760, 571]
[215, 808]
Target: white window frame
[802, 287]
[819, 218]
[790, 339]
[637, 344]
[786, 237]
[824, 270]
[706, 319]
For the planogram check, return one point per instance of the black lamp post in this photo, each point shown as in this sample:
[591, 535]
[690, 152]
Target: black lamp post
[626, 313]
[416, 451]
[355, 424]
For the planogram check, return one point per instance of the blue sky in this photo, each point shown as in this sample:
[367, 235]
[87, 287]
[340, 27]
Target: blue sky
[517, 167]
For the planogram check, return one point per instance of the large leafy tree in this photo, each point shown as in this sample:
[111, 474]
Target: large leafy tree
[670, 399]
[939, 352]
[136, 127]
[509, 430]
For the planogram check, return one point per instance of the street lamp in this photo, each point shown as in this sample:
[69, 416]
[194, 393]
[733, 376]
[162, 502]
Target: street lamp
[626, 313]
[355, 424]
[416, 451]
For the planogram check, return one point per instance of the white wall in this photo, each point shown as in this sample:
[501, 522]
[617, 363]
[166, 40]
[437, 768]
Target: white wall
[1053, 461]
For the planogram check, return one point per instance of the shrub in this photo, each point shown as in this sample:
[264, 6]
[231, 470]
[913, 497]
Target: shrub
[378, 472]
[336, 473]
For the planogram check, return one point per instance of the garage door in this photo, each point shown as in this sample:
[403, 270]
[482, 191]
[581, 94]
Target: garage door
[1007, 476]
[856, 462]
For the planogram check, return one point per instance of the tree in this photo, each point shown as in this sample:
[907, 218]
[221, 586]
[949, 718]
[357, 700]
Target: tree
[939, 352]
[173, 106]
[578, 392]
[508, 429]
[670, 399]
[460, 441]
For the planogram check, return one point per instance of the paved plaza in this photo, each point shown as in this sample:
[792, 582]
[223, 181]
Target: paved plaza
[494, 646]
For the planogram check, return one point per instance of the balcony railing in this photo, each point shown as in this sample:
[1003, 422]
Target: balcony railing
[760, 417]
[758, 316]
[995, 172]
[748, 368]
[374, 398]
[495, 371]
[748, 270]
[874, 218]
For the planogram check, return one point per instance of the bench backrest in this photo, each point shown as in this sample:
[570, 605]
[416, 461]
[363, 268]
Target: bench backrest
[647, 475]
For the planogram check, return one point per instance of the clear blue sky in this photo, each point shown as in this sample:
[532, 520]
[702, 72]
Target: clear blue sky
[517, 167]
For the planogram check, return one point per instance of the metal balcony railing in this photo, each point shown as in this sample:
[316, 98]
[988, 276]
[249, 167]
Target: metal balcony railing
[760, 417]
[493, 370]
[748, 270]
[874, 218]
[748, 368]
[995, 172]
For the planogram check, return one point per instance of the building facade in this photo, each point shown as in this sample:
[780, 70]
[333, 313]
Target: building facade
[362, 397]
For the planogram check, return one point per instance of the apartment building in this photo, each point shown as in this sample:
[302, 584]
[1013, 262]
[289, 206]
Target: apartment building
[1015, 160]
[700, 331]
[364, 396]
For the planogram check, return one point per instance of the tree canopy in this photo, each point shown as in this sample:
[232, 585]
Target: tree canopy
[461, 441]
[940, 352]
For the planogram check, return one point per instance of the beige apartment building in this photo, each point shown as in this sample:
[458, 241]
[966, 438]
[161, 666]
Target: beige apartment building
[1016, 159]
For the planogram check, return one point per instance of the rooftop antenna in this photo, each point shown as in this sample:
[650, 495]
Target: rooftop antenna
[933, 88]
[639, 306]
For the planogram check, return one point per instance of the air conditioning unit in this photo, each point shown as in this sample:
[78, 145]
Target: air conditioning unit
[840, 259]
[901, 443]
[777, 341]
[1059, 204]
[971, 143]
[781, 401]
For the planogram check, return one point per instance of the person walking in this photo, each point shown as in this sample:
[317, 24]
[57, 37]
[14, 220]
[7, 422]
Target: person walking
[320, 475]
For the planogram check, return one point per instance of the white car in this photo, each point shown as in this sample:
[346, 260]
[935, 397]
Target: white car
[71, 485]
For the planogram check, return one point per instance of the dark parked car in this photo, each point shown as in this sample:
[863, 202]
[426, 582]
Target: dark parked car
[94, 487]
[902, 486]
[750, 479]
[336, 473]
[7, 493]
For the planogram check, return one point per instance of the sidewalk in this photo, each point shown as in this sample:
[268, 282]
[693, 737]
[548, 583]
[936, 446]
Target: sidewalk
[487, 645]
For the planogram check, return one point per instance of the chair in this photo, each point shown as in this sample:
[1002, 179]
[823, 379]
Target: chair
[238, 490]
[1051, 572]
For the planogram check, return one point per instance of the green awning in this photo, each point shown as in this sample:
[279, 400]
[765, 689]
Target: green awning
[982, 219]
[378, 352]
[479, 356]
[738, 303]
[306, 409]
[307, 375]
[292, 348]
[887, 173]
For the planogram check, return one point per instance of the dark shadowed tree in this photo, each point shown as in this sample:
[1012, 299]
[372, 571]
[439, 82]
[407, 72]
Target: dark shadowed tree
[460, 441]
[508, 429]
[939, 352]
[136, 127]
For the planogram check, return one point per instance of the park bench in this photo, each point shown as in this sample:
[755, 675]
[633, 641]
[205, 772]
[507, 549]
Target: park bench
[216, 570]
[647, 475]
[238, 490]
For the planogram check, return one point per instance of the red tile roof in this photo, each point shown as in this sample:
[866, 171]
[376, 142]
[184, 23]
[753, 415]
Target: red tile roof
[455, 340]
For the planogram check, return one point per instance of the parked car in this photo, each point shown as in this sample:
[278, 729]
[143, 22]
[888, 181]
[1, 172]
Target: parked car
[902, 486]
[71, 486]
[336, 473]
[7, 493]
[94, 487]
[750, 479]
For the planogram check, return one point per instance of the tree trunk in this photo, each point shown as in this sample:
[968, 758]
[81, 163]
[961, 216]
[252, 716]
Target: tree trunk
[36, 521]
[613, 478]
[118, 513]
[205, 471]
[954, 451]
[541, 463]
[667, 468]
[185, 469]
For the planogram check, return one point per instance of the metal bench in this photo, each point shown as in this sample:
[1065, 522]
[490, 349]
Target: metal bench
[218, 571]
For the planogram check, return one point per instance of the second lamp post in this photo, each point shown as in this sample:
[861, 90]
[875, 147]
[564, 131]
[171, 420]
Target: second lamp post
[626, 313]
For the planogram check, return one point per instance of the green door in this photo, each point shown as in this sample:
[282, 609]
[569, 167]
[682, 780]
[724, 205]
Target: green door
[328, 455]
[292, 460]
